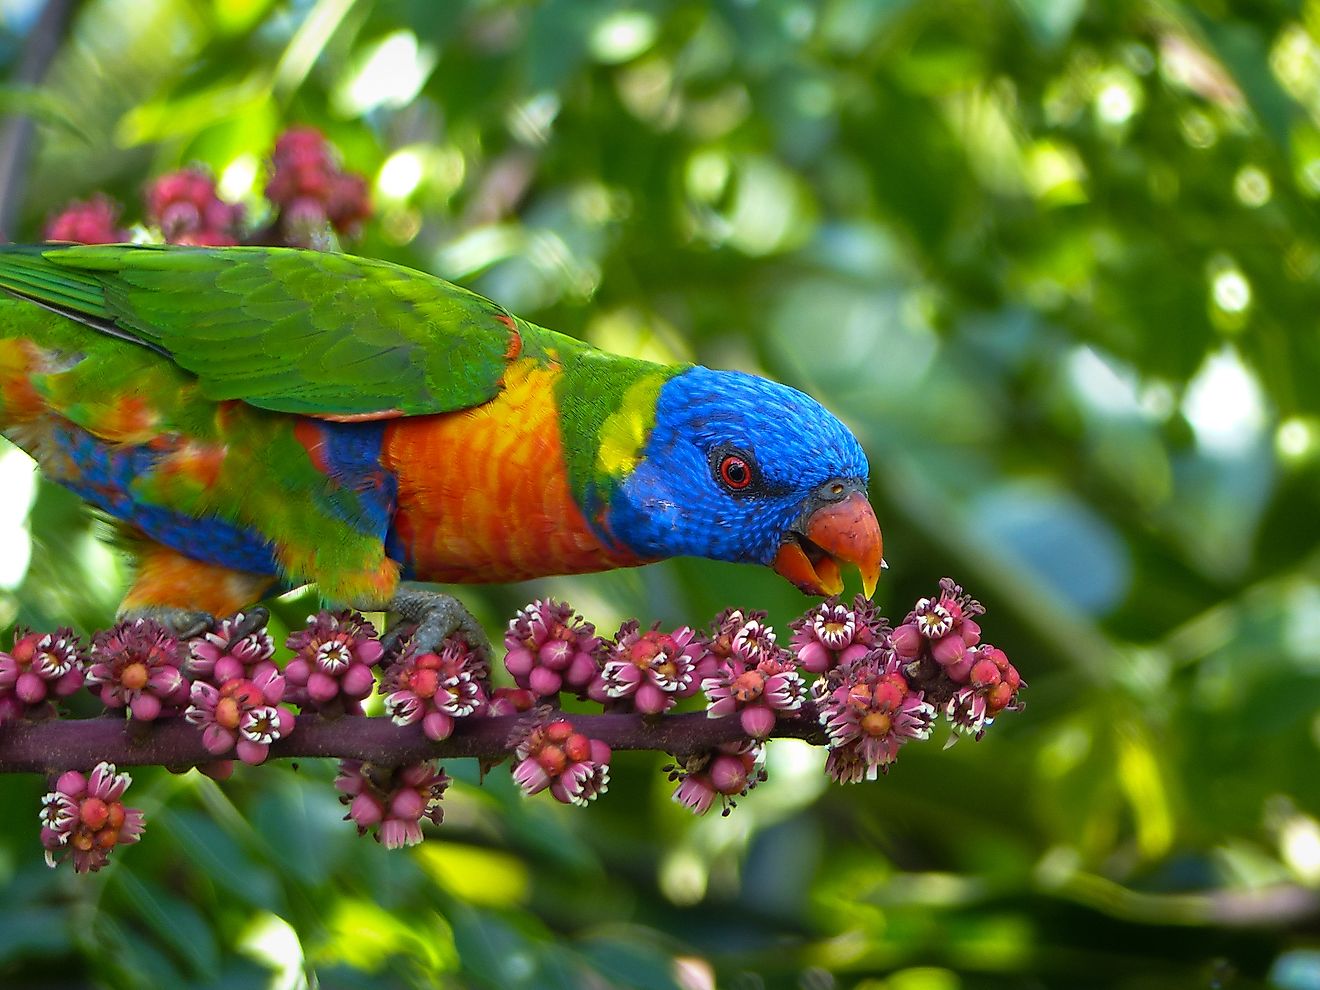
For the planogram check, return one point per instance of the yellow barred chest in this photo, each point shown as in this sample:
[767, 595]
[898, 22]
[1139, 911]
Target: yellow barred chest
[483, 494]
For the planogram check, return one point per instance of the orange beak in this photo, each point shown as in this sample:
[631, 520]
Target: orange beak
[839, 532]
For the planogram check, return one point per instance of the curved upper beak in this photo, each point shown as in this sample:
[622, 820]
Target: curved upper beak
[841, 531]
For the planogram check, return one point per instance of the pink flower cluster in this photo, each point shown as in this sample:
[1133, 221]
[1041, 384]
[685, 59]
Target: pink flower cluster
[137, 665]
[652, 669]
[869, 710]
[238, 693]
[311, 190]
[574, 768]
[942, 653]
[434, 688]
[37, 670]
[333, 659]
[551, 648]
[833, 633]
[756, 679]
[186, 208]
[392, 800]
[730, 771]
[84, 818]
[944, 628]
[992, 687]
[89, 221]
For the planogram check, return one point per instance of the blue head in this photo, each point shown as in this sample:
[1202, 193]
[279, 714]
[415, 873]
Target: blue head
[744, 469]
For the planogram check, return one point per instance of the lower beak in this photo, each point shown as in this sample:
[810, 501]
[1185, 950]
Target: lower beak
[841, 532]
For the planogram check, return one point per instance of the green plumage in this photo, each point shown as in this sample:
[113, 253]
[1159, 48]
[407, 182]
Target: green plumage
[281, 329]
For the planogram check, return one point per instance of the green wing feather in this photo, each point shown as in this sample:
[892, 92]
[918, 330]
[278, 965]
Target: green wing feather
[294, 331]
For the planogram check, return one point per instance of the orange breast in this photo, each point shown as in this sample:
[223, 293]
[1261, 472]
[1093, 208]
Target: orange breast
[484, 495]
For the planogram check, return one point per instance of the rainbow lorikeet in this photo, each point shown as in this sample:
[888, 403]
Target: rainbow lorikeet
[270, 417]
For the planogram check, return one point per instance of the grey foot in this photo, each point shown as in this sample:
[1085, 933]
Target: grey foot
[184, 623]
[432, 617]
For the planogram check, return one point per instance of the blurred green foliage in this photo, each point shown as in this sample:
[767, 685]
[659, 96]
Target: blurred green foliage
[1057, 263]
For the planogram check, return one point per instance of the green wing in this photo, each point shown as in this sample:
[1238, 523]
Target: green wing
[325, 335]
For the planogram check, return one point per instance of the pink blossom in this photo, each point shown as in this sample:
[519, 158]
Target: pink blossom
[241, 716]
[551, 648]
[434, 689]
[651, 668]
[392, 800]
[728, 772]
[136, 665]
[833, 633]
[572, 767]
[39, 668]
[91, 221]
[869, 713]
[220, 656]
[759, 694]
[334, 657]
[84, 818]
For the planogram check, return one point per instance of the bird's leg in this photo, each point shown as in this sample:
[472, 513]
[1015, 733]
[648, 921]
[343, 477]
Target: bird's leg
[433, 617]
[186, 595]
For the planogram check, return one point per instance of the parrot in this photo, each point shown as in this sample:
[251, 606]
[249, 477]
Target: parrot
[257, 419]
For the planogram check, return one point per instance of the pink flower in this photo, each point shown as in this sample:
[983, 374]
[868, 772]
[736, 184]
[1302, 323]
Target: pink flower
[652, 668]
[136, 665]
[508, 701]
[433, 689]
[943, 628]
[392, 800]
[551, 648]
[218, 656]
[92, 221]
[185, 206]
[833, 633]
[38, 669]
[869, 713]
[334, 657]
[758, 694]
[993, 686]
[241, 716]
[728, 772]
[574, 768]
[83, 818]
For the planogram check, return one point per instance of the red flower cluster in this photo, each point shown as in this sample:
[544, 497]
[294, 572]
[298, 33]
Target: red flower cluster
[940, 646]
[310, 194]
[730, 771]
[186, 208]
[551, 648]
[652, 670]
[136, 665]
[555, 756]
[88, 221]
[311, 190]
[333, 659]
[755, 678]
[392, 800]
[83, 818]
[869, 710]
[37, 670]
[433, 688]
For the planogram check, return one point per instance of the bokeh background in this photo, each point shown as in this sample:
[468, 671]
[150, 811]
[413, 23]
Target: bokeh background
[1058, 265]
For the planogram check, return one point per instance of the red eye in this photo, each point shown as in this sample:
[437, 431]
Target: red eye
[735, 472]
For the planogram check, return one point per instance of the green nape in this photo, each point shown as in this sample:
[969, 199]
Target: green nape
[607, 409]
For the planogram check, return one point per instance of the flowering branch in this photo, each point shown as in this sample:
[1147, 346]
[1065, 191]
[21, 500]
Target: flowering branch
[222, 696]
[61, 744]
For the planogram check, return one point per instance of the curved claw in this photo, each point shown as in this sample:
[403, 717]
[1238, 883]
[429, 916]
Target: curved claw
[182, 622]
[429, 618]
